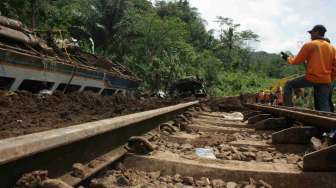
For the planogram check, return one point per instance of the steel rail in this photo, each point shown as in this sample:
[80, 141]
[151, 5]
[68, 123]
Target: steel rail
[79, 143]
[329, 114]
[313, 118]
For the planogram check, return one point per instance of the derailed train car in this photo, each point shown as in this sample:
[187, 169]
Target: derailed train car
[188, 87]
[30, 63]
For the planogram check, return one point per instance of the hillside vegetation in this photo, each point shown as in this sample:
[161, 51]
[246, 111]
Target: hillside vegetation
[160, 42]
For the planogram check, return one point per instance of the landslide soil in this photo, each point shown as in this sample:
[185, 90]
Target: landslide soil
[25, 113]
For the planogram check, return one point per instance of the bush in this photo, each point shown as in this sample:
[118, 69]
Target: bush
[233, 83]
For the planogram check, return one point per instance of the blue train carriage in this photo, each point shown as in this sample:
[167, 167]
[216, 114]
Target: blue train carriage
[23, 67]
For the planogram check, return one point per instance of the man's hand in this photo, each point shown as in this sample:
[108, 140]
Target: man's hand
[284, 56]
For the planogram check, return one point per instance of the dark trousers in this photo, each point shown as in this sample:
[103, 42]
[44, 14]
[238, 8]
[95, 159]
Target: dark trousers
[321, 93]
[332, 107]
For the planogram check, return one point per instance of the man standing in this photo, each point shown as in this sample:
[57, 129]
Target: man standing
[332, 108]
[320, 72]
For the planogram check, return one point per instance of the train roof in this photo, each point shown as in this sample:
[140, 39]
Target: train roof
[15, 36]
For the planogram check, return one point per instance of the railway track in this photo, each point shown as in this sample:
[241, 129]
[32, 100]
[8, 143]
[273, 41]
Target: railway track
[94, 144]
[192, 148]
[314, 118]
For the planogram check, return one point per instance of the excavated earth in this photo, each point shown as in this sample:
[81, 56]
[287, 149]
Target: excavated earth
[24, 113]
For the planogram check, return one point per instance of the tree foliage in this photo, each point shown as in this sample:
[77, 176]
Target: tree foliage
[161, 42]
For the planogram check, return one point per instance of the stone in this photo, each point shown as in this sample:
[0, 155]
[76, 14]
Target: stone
[316, 143]
[176, 145]
[236, 156]
[154, 175]
[282, 161]
[170, 185]
[140, 145]
[268, 159]
[278, 155]
[231, 185]
[108, 182]
[229, 157]
[244, 157]
[244, 149]
[259, 156]
[188, 180]
[177, 178]
[254, 136]
[293, 159]
[252, 149]
[252, 181]
[264, 156]
[119, 166]
[54, 183]
[32, 179]
[167, 179]
[225, 147]
[123, 181]
[170, 145]
[264, 184]
[221, 156]
[163, 184]
[78, 170]
[234, 150]
[300, 164]
[250, 186]
[205, 181]
[187, 146]
[250, 155]
[199, 183]
[179, 185]
[218, 183]
[156, 183]
[242, 183]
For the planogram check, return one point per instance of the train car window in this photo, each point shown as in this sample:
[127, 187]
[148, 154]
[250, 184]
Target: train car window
[35, 86]
[69, 88]
[6, 83]
[93, 89]
[108, 92]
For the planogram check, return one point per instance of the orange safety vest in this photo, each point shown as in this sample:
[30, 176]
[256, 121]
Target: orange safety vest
[280, 99]
[321, 61]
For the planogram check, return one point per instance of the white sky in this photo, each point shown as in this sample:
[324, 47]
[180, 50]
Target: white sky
[281, 24]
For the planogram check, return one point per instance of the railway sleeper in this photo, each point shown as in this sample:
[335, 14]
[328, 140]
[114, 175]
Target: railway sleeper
[272, 124]
[254, 119]
[278, 175]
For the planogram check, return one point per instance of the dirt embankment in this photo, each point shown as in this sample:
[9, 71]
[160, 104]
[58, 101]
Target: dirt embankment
[24, 113]
[226, 104]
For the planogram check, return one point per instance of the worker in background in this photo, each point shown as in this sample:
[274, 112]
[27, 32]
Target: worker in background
[332, 108]
[278, 96]
[320, 72]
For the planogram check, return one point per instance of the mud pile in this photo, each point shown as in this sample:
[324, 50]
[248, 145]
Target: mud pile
[226, 104]
[23, 113]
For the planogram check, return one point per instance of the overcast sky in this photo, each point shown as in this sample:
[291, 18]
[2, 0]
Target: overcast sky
[281, 24]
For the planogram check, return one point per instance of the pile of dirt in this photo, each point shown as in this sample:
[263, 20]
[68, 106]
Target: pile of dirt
[226, 104]
[24, 113]
[39, 179]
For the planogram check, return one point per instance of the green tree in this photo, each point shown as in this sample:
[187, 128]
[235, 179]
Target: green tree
[233, 42]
